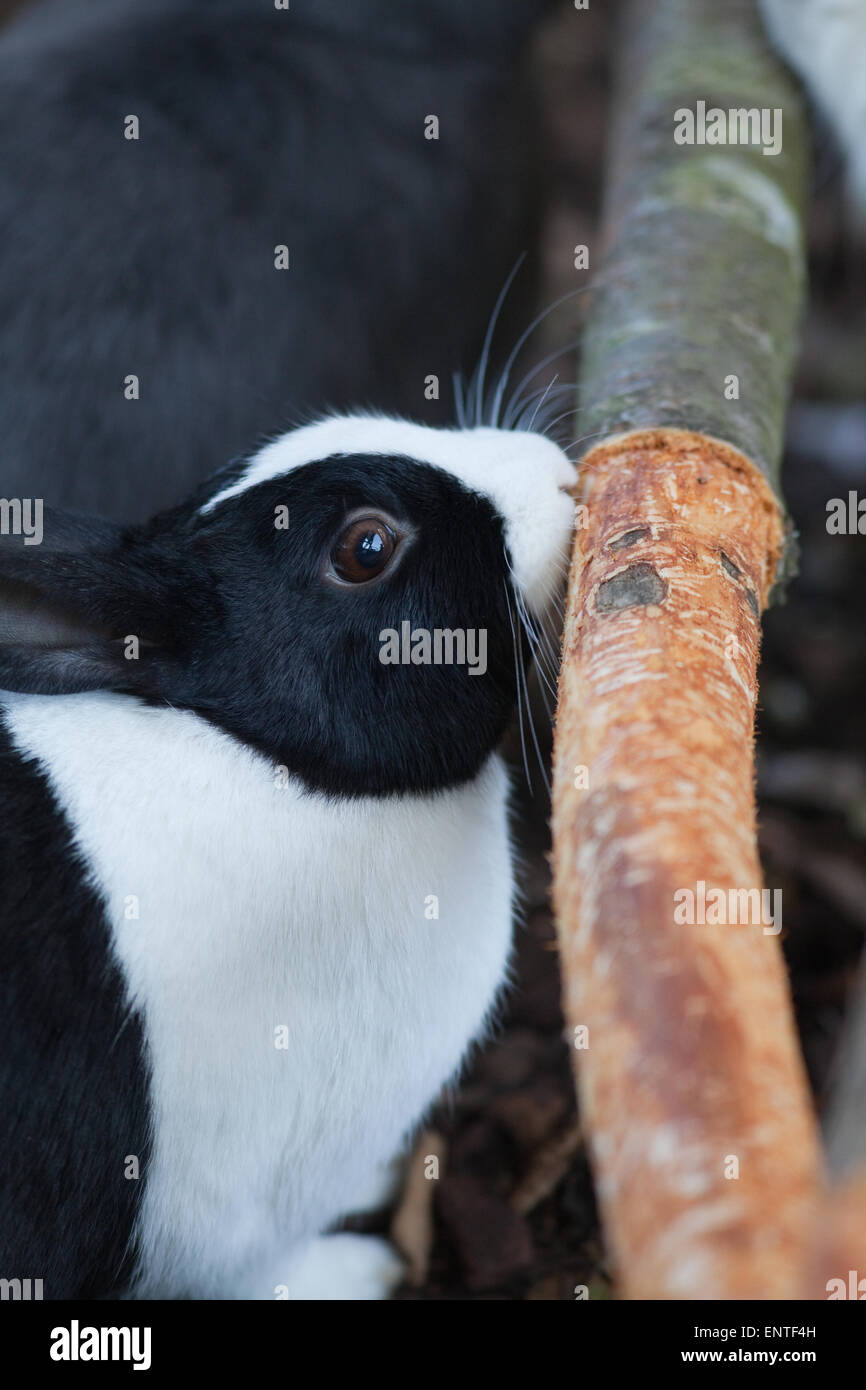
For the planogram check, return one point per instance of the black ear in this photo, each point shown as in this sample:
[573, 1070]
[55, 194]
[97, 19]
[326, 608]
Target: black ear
[36, 529]
[79, 566]
[28, 618]
[34, 670]
[80, 609]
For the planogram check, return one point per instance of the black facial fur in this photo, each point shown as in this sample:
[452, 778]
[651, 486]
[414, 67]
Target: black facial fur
[238, 622]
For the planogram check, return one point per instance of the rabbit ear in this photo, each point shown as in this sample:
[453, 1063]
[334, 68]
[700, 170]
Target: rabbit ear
[35, 670]
[78, 611]
[28, 618]
[35, 528]
[71, 563]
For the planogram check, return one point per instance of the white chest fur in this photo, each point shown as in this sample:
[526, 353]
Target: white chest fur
[301, 1002]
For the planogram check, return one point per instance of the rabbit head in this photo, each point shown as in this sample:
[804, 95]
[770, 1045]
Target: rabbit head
[347, 601]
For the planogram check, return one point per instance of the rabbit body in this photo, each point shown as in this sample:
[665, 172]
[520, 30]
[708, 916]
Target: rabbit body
[301, 1005]
[256, 882]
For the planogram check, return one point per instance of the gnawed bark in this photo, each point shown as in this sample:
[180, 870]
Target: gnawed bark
[691, 1085]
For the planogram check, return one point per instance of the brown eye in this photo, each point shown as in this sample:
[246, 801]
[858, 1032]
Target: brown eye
[363, 550]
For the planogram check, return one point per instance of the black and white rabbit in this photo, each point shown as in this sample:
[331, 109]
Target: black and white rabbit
[153, 257]
[226, 1000]
[825, 42]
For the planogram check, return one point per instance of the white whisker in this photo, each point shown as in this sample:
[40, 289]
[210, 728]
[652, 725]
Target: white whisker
[488, 340]
[517, 681]
[512, 356]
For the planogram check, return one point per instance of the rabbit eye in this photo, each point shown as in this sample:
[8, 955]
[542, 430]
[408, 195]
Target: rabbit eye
[363, 550]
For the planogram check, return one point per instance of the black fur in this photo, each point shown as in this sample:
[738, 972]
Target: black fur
[238, 623]
[74, 1082]
[155, 257]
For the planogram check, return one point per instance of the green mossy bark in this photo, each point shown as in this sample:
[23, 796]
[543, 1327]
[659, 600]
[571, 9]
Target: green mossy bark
[703, 274]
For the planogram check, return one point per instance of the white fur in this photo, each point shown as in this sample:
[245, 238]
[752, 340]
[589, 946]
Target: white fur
[342, 1267]
[520, 473]
[262, 906]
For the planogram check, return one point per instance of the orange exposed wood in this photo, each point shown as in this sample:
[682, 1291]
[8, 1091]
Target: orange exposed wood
[691, 1085]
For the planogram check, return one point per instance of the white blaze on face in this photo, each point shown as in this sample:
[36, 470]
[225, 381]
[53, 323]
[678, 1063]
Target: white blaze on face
[522, 474]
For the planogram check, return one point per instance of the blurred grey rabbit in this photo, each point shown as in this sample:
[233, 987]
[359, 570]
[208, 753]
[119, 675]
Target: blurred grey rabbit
[154, 258]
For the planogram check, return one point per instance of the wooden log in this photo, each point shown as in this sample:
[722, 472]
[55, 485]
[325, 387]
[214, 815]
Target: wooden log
[691, 1082]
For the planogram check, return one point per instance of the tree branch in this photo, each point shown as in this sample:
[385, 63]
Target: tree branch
[692, 1085]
